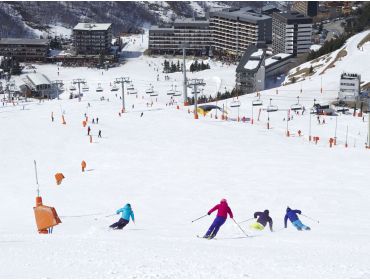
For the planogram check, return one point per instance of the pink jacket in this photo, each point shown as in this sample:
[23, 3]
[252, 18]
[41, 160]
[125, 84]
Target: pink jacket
[223, 210]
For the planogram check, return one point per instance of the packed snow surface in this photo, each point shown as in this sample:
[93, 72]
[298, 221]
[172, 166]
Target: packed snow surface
[173, 169]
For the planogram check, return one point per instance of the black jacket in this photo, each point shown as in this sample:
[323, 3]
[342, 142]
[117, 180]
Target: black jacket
[263, 218]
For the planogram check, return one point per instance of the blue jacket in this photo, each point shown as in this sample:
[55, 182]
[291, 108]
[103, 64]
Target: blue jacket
[126, 213]
[291, 215]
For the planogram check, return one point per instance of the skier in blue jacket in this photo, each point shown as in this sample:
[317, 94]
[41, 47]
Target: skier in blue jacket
[292, 216]
[125, 218]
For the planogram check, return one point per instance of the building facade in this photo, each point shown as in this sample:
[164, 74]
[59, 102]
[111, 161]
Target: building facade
[92, 38]
[307, 8]
[24, 49]
[194, 34]
[40, 86]
[349, 88]
[234, 30]
[250, 73]
[291, 33]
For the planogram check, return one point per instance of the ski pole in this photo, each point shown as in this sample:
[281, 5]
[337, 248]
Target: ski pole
[246, 220]
[199, 218]
[317, 221]
[240, 228]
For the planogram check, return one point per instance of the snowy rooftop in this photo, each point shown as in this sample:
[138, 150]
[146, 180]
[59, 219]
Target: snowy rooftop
[92, 26]
[17, 41]
[277, 57]
[37, 79]
[251, 64]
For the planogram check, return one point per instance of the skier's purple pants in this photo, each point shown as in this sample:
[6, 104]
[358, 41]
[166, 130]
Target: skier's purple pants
[120, 224]
[217, 223]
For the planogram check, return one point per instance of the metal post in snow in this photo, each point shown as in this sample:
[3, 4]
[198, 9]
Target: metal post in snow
[335, 133]
[37, 180]
[184, 74]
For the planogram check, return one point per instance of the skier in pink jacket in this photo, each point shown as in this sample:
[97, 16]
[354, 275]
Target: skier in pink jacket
[222, 210]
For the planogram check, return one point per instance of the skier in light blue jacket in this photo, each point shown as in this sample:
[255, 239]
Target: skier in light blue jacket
[126, 213]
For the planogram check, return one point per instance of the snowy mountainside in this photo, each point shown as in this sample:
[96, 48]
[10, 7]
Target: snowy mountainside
[173, 169]
[352, 57]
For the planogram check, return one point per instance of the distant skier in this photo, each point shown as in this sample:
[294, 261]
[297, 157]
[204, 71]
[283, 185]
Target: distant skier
[97, 120]
[88, 130]
[125, 218]
[292, 216]
[142, 114]
[99, 134]
[262, 219]
[222, 210]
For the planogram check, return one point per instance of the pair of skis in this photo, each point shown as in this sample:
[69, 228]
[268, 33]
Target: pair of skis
[223, 238]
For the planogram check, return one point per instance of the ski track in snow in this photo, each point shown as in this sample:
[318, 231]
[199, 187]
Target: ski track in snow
[172, 169]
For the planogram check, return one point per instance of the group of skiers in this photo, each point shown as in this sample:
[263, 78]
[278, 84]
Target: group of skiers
[223, 209]
[262, 218]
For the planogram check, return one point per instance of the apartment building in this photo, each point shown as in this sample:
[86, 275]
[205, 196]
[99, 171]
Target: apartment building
[291, 33]
[307, 8]
[195, 34]
[24, 49]
[92, 38]
[349, 88]
[233, 30]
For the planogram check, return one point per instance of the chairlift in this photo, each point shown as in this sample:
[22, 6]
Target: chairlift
[297, 106]
[177, 93]
[85, 88]
[154, 93]
[114, 88]
[72, 87]
[272, 108]
[130, 87]
[257, 102]
[171, 91]
[133, 91]
[235, 103]
[99, 88]
[149, 90]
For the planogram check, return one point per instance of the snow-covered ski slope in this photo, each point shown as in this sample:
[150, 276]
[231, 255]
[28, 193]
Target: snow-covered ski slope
[173, 169]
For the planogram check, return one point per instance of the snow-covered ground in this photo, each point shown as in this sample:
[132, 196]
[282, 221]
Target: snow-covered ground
[173, 169]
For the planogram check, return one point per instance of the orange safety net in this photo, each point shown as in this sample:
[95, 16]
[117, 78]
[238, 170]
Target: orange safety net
[59, 177]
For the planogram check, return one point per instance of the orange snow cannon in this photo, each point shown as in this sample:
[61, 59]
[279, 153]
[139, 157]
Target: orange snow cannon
[83, 165]
[46, 217]
[84, 123]
[59, 178]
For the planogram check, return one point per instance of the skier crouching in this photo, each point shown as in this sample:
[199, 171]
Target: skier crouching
[292, 216]
[262, 219]
[125, 218]
[222, 210]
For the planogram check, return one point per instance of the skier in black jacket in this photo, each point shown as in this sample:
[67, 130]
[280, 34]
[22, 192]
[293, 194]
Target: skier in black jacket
[262, 219]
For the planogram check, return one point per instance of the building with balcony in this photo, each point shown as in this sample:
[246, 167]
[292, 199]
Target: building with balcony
[195, 34]
[234, 30]
[92, 38]
[291, 33]
[24, 49]
[349, 88]
[250, 73]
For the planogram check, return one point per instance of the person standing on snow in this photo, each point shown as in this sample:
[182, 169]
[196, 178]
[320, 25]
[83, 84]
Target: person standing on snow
[262, 219]
[125, 218]
[222, 210]
[293, 218]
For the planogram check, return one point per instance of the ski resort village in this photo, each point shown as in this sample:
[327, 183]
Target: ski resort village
[197, 139]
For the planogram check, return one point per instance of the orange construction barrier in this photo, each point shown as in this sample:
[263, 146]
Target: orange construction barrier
[46, 217]
[83, 123]
[299, 133]
[59, 178]
[287, 133]
[177, 107]
[83, 165]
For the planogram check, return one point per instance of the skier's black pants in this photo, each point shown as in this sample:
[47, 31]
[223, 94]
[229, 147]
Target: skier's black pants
[120, 224]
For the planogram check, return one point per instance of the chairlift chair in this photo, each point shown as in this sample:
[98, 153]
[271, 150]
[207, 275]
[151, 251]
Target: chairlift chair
[272, 108]
[72, 87]
[257, 102]
[149, 90]
[235, 103]
[154, 93]
[130, 87]
[99, 88]
[170, 92]
[296, 107]
[177, 93]
[133, 91]
[114, 88]
[85, 88]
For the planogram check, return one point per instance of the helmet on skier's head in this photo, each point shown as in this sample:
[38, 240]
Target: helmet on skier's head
[266, 212]
[288, 209]
[128, 205]
[223, 200]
